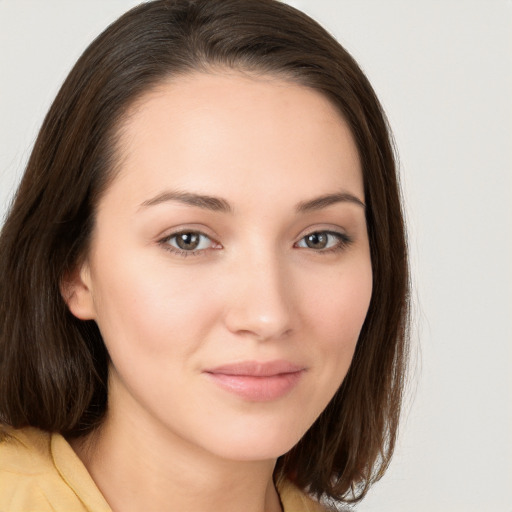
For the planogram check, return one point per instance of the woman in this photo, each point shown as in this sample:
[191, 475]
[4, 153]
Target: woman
[204, 273]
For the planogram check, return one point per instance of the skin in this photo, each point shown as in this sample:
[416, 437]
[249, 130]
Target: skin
[173, 439]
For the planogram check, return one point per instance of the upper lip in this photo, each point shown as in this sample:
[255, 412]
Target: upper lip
[256, 368]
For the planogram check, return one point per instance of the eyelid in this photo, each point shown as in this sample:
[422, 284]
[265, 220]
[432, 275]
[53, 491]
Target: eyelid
[186, 228]
[323, 228]
[163, 241]
[343, 238]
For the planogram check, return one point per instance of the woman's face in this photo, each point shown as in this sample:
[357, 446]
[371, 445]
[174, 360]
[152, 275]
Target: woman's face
[229, 270]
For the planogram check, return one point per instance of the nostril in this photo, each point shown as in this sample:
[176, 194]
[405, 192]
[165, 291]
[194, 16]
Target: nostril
[260, 320]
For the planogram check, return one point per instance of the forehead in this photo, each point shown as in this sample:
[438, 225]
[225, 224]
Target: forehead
[223, 132]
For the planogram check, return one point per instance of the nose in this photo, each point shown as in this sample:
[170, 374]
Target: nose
[260, 304]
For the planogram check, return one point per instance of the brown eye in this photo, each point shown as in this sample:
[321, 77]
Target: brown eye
[188, 241]
[323, 241]
[316, 240]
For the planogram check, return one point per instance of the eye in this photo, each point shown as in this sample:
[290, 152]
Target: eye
[187, 242]
[324, 241]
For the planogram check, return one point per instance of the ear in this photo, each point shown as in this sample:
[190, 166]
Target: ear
[76, 290]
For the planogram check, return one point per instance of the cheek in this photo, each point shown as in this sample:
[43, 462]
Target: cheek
[337, 314]
[341, 304]
[142, 307]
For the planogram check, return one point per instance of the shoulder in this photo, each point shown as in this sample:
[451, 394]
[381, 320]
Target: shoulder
[294, 499]
[29, 479]
[24, 451]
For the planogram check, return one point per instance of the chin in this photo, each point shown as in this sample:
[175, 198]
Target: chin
[258, 444]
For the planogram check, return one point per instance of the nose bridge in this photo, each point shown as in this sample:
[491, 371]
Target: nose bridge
[261, 302]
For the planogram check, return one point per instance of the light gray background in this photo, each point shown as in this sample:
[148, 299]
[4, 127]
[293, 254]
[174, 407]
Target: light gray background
[443, 70]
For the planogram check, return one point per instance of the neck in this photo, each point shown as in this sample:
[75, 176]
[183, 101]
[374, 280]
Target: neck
[138, 467]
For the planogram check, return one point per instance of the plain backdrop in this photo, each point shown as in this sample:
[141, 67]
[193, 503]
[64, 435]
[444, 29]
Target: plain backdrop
[443, 71]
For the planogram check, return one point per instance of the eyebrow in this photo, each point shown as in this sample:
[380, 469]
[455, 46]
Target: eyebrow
[327, 200]
[217, 204]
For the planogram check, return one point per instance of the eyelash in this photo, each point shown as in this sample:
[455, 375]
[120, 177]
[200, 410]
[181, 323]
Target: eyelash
[343, 241]
[164, 242]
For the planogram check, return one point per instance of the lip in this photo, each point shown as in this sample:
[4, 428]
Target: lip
[257, 381]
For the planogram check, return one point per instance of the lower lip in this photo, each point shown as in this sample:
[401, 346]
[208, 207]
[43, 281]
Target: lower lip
[257, 389]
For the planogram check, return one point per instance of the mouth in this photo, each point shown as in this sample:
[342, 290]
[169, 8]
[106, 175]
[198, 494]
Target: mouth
[257, 381]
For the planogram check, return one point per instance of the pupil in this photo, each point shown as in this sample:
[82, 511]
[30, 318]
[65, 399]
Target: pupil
[316, 240]
[187, 241]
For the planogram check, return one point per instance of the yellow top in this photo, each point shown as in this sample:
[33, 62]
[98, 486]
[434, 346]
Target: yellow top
[40, 472]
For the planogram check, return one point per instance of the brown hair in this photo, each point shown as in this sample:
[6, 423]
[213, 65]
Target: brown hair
[53, 367]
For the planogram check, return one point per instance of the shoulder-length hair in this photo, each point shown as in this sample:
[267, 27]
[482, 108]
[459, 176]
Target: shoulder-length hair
[53, 367]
